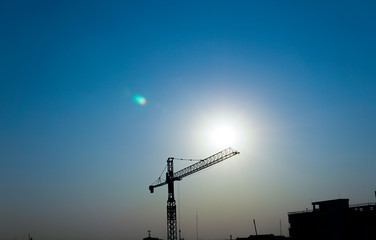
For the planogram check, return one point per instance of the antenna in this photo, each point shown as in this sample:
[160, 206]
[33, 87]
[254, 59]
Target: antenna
[254, 223]
[280, 227]
[196, 225]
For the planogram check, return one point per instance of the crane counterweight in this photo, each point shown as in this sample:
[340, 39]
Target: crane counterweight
[171, 177]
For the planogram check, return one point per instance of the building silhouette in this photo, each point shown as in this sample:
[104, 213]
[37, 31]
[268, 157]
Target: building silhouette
[334, 220]
[263, 237]
[151, 238]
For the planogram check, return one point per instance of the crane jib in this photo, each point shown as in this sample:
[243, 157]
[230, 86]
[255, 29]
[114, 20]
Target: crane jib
[202, 164]
[216, 158]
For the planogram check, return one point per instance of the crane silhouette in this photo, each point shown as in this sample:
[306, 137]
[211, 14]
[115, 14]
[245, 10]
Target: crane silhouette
[171, 177]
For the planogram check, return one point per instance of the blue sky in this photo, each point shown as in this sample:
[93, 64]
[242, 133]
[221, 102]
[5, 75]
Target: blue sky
[295, 81]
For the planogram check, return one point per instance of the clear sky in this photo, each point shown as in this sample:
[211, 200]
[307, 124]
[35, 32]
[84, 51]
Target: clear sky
[96, 95]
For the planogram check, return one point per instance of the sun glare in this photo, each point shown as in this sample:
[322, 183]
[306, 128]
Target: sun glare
[223, 135]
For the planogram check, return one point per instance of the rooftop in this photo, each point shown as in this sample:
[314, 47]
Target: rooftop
[352, 206]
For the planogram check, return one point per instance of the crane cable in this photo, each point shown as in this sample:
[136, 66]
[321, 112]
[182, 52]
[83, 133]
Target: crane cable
[184, 159]
[159, 178]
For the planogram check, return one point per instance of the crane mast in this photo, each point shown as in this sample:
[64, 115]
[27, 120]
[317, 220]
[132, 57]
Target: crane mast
[171, 177]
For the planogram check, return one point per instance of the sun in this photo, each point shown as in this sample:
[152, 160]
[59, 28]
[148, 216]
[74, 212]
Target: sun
[222, 135]
[216, 130]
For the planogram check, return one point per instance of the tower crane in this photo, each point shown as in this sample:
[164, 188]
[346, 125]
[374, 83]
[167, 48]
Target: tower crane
[171, 177]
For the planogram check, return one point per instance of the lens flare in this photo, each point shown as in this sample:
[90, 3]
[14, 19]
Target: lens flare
[139, 99]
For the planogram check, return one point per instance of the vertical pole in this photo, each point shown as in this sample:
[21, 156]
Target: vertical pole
[254, 223]
[196, 225]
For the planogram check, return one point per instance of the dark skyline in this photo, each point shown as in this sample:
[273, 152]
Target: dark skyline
[96, 95]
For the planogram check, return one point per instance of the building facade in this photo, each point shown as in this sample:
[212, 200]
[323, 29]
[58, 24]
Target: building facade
[334, 220]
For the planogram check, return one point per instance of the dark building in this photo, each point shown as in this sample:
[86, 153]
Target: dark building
[334, 219]
[263, 237]
[151, 238]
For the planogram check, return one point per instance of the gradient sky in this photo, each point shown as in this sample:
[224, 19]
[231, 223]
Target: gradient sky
[96, 95]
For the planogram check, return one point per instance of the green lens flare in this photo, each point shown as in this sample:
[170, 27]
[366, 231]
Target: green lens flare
[139, 99]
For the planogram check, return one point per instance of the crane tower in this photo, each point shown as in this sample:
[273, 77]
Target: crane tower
[171, 177]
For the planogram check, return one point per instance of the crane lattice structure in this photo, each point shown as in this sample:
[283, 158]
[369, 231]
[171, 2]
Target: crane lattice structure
[171, 177]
